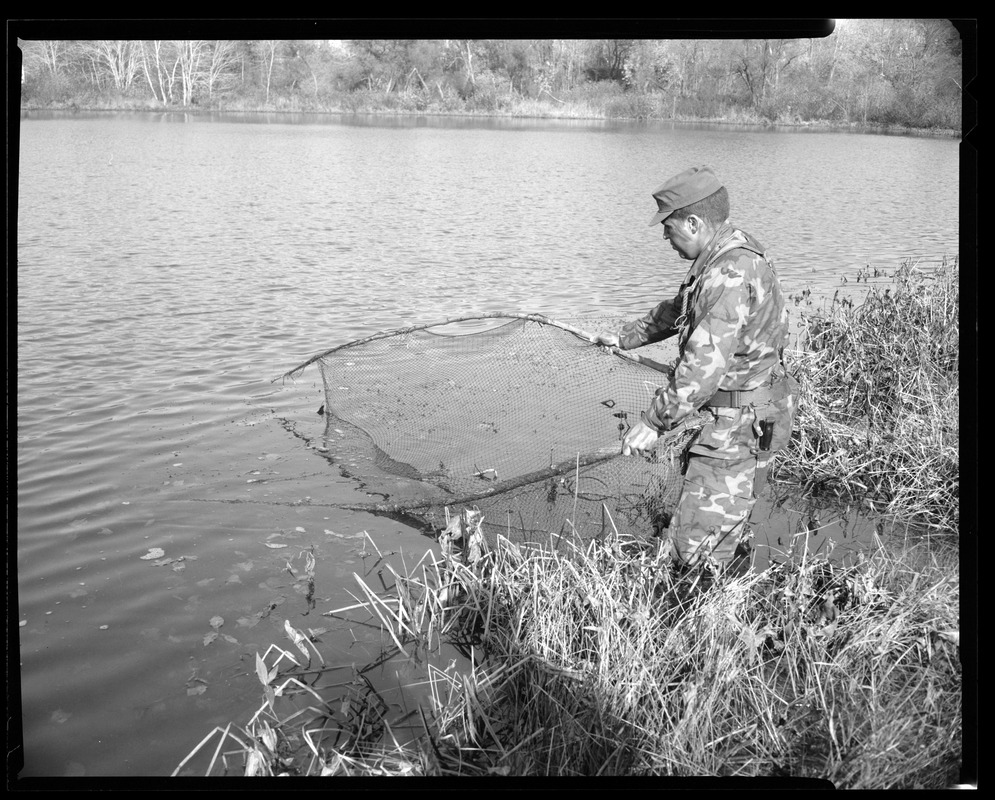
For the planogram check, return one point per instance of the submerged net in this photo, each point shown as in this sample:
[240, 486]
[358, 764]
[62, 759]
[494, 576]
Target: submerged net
[523, 420]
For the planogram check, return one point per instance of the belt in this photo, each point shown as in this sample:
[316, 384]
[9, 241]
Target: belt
[779, 388]
[738, 398]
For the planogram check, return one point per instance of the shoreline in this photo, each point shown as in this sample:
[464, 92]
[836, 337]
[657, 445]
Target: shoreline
[824, 126]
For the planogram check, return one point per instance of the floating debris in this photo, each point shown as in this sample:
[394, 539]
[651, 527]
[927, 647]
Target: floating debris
[155, 552]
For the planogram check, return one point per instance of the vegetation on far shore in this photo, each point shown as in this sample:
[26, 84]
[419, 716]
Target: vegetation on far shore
[595, 658]
[902, 75]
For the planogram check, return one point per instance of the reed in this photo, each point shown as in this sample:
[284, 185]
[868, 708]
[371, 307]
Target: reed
[593, 659]
[878, 416]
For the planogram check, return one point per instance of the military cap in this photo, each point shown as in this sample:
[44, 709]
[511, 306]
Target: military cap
[682, 190]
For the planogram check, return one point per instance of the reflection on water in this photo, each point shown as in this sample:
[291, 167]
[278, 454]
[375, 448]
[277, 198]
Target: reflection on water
[790, 528]
[168, 273]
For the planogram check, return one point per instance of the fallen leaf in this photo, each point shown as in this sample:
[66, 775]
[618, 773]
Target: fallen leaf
[229, 639]
[210, 637]
[155, 552]
[192, 690]
[261, 672]
[274, 546]
[952, 636]
[255, 764]
[217, 622]
[268, 735]
[296, 637]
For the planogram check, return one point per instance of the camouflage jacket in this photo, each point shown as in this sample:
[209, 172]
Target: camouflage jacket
[731, 323]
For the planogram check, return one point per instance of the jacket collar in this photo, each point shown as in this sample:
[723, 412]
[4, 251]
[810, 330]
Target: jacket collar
[725, 235]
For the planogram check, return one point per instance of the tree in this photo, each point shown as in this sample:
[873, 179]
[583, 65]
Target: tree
[44, 56]
[155, 67]
[118, 57]
[381, 62]
[221, 63]
[189, 56]
[760, 64]
[608, 59]
[269, 48]
[513, 59]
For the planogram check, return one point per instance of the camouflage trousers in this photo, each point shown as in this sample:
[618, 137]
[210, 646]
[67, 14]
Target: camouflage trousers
[724, 472]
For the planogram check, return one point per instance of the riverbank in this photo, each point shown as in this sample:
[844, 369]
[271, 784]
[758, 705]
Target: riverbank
[393, 106]
[596, 659]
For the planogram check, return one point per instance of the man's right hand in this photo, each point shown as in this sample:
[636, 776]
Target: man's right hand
[606, 338]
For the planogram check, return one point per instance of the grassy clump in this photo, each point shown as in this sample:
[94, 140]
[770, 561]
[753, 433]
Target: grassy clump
[878, 417]
[584, 663]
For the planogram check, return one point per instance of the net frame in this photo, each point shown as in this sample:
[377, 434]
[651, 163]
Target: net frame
[669, 445]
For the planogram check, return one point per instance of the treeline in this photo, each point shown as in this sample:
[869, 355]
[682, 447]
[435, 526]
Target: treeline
[904, 72]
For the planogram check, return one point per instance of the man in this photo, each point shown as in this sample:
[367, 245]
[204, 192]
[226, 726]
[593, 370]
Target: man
[731, 324]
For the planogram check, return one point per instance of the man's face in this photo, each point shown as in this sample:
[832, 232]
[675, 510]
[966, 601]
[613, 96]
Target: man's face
[682, 239]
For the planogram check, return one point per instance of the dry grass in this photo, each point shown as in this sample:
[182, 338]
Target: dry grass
[878, 417]
[592, 660]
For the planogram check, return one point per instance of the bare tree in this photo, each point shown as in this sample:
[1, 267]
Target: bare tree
[609, 58]
[120, 59]
[160, 76]
[189, 55]
[760, 64]
[301, 50]
[223, 59]
[44, 56]
[270, 47]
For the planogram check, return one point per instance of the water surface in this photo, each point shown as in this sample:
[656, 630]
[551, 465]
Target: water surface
[170, 267]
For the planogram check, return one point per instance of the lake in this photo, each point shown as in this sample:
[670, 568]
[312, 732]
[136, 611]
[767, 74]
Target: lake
[171, 267]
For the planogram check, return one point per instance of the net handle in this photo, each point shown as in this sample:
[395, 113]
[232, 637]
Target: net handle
[539, 318]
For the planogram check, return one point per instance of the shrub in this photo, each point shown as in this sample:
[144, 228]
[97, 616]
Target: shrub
[878, 417]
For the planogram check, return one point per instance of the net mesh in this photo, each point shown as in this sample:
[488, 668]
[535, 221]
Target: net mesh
[523, 420]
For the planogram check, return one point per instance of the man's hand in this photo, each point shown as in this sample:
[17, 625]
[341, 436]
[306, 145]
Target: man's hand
[640, 439]
[606, 338]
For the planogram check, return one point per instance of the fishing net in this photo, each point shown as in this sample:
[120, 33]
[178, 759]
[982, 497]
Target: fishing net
[522, 419]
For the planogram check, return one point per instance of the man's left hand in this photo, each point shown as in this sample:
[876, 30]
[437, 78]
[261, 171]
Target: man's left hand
[640, 439]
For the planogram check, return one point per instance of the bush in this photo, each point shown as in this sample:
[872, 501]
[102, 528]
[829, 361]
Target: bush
[632, 107]
[878, 417]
